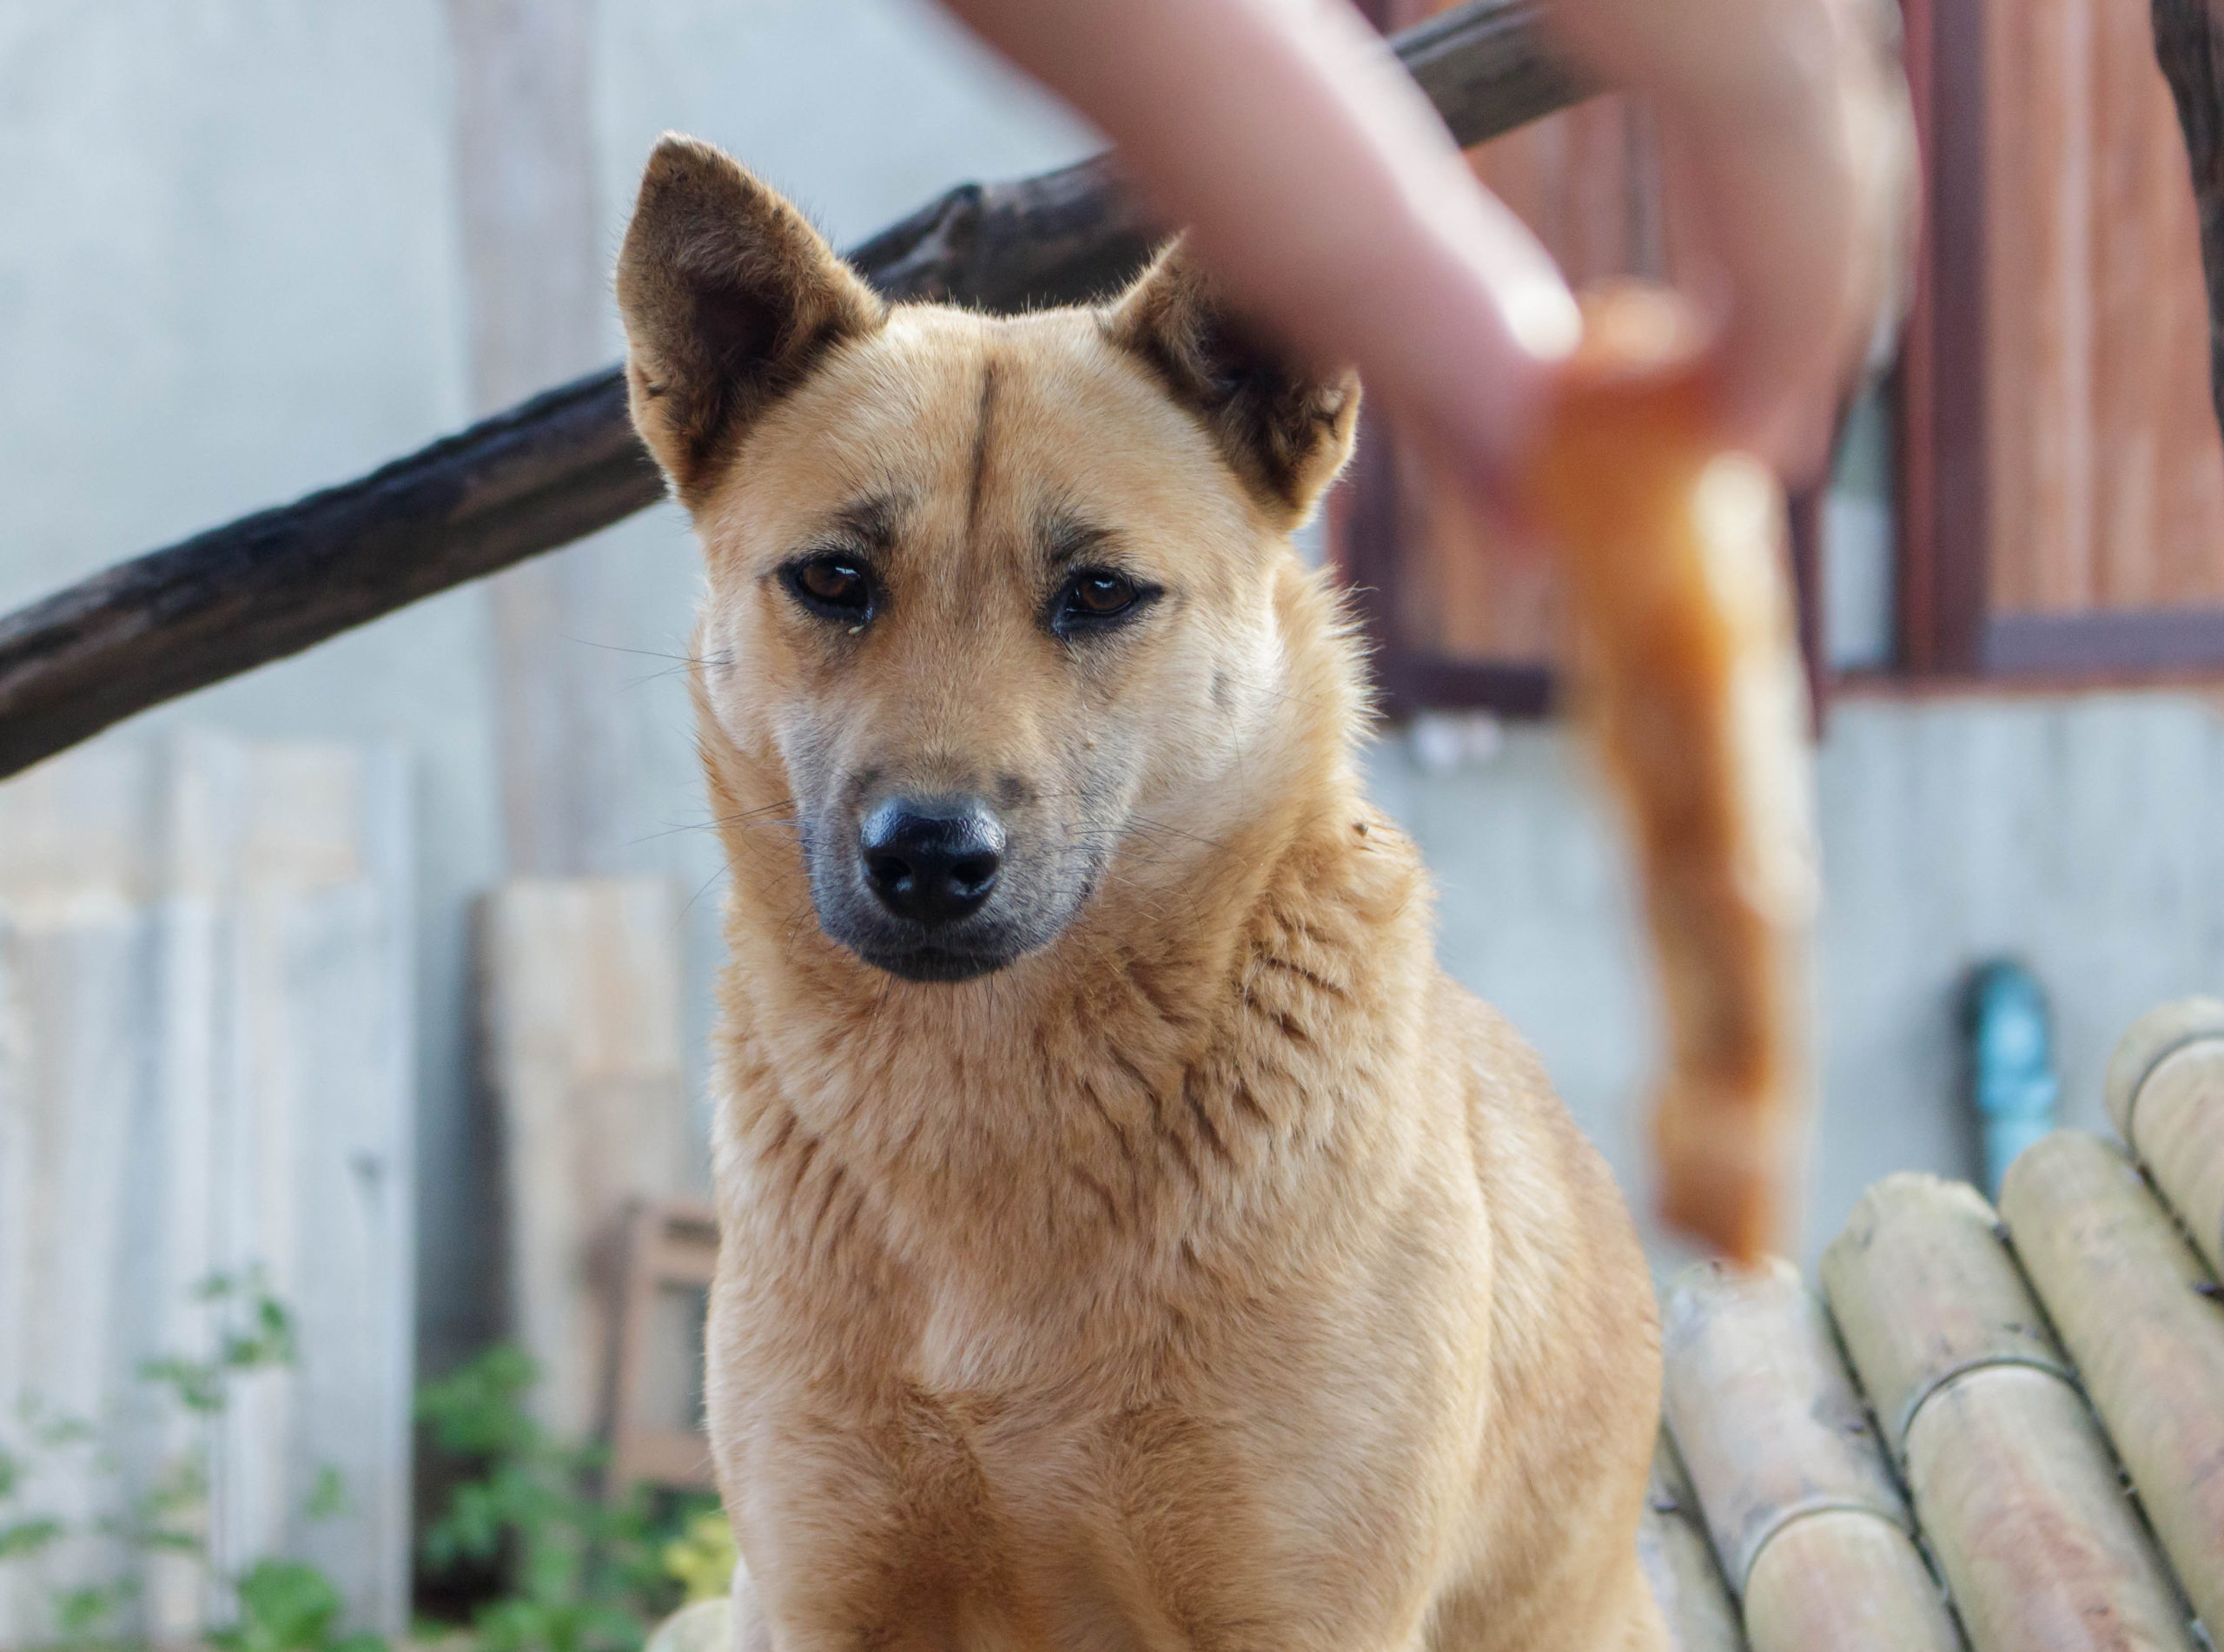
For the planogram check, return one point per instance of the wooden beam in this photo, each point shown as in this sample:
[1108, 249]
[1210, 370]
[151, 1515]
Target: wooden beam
[565, 463]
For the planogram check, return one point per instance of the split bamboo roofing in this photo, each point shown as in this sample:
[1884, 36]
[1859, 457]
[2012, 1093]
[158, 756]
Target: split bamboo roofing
[1997, 1429]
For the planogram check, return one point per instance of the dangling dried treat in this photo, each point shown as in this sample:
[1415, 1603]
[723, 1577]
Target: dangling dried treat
[1688, 677]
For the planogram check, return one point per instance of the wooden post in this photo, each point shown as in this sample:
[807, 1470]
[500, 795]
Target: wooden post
[656, 1437]
[537, 292]
[580, 1001]
[2013, 1482]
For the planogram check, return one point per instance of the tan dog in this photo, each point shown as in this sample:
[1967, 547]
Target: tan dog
[1132, 1239]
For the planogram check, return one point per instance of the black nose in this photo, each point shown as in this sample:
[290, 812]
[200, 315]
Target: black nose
[932, 860]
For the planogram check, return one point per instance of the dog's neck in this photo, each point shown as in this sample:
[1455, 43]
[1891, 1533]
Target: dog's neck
[1189, 1007]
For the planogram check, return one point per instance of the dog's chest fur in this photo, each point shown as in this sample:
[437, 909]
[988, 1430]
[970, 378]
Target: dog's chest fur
[1101, 1283]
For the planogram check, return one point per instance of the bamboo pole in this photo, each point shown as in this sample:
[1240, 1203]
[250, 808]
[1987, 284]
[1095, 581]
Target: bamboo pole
[2127, 1294]
[2165, 1089]
[1672, 1544]
[1804, 1516]
[2030, 1523]
[2018, 1496]
[1843, 1578]
[1922, 1292]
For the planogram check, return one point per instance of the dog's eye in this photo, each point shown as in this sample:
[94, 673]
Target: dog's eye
[833, 587]
[1096, 593]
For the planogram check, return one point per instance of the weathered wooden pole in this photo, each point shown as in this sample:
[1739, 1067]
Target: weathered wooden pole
[565, 464]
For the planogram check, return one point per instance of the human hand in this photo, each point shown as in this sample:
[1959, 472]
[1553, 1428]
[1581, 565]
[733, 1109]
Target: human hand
[1791, 142]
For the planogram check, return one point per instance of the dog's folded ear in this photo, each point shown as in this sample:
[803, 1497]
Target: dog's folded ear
[1286, 430]
[729, 298]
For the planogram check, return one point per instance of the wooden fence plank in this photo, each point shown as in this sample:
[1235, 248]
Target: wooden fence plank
[2105, 468]
[2189, 45]
[579, 994]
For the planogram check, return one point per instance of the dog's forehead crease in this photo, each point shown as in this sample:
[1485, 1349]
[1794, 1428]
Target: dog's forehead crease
[962, 398]
[962, 435]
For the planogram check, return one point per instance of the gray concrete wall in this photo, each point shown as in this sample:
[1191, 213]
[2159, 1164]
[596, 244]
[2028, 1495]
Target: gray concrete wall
[233, 267]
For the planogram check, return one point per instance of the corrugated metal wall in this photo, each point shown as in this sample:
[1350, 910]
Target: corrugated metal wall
[206, 954]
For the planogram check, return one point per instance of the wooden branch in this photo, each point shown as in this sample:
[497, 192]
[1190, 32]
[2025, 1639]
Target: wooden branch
[2190, 44]
[567, 463]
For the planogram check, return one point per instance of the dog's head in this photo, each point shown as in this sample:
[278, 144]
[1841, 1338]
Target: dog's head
[996, 597]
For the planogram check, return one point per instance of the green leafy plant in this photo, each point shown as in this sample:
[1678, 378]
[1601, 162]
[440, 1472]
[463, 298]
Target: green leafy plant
[584, 1572]
[701, 1559]
[286, 1605]
[255, 1332]
[574, 1570]
[283, 1606]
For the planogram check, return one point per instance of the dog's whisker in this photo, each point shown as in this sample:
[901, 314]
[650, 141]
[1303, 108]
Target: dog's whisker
[1161, 826]
[720, 660]
[703, 890]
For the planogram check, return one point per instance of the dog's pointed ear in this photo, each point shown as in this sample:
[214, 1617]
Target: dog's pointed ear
[729, 298]
[1285, 429]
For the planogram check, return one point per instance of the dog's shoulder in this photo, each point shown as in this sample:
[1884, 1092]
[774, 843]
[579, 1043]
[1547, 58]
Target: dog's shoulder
[1558, 1219]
